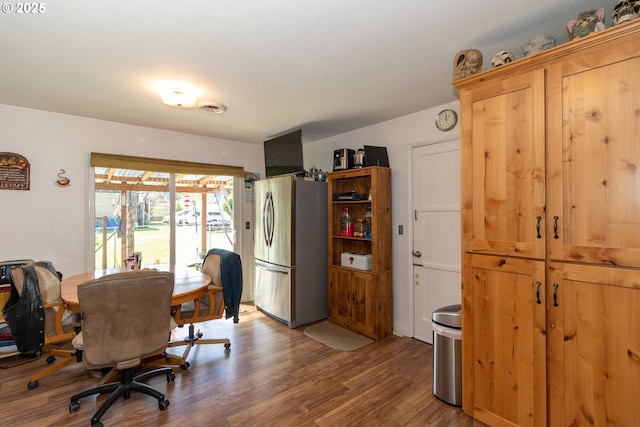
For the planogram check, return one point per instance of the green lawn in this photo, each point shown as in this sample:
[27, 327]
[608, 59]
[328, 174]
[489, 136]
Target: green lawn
[153, 242]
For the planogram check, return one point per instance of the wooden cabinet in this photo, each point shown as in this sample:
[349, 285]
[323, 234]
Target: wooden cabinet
[503, 166]
[354, 299]
[503, 215]
[594, 156]
[551, 235]
[508, 325]
[361, 300]
[594, 340]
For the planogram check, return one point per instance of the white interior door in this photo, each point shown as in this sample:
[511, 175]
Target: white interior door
[436, 232]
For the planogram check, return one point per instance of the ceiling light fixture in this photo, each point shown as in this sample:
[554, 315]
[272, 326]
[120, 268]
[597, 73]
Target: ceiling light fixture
[184, 95]
[179, 98]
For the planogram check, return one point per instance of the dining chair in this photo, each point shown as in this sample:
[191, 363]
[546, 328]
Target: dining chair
[221, 300]
[38, 318]
[125, 319]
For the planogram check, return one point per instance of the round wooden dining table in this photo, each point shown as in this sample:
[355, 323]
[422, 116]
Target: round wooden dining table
[189, 283]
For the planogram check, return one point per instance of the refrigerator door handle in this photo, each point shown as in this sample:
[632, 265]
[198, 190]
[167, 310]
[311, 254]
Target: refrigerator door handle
[272, 218]
[272, 268]
[267, 219]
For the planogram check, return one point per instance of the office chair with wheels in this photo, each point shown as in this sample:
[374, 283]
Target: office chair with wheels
[222, 299]
[125, 319]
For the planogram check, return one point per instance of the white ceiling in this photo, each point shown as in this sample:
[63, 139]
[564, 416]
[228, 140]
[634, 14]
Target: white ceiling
[325, 66]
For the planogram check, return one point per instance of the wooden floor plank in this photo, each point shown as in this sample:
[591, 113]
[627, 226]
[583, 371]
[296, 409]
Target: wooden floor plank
[271, 376]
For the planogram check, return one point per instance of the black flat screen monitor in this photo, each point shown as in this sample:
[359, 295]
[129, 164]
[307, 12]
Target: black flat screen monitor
[283, 154]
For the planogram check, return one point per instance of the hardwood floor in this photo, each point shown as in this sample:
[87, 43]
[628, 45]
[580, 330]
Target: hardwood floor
[271, 376]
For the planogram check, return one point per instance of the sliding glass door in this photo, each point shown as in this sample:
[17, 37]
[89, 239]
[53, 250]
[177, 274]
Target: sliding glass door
[169, 218]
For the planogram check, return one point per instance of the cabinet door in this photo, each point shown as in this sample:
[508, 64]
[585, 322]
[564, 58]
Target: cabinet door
[364, 318]
[502, 155]
[506, 330]
[594, 345]
[594, 158]
[339, 295]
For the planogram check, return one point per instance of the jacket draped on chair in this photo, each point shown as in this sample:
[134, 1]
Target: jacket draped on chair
[231, 278]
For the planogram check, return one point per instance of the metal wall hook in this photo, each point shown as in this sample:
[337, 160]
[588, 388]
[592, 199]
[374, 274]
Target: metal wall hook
[62, 180]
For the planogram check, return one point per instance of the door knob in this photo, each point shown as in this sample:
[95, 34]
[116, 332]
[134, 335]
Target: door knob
[417, 254]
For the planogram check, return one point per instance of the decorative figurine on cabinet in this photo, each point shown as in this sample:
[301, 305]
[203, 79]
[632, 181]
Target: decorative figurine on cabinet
[625, 11]
[588, 22]
[538, 43]
[501, 58]
[466, 62]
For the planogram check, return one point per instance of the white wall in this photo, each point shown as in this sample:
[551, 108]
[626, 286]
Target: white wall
[49, 222]
[399, 136]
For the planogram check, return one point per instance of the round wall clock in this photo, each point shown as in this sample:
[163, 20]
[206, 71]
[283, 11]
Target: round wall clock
[446, 119]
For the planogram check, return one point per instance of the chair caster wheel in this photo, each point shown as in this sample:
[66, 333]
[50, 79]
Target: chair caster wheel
[228, 345]
[32, 385]
[170, 377]
[199, 335]
[185, 365]
[74, 406]
[98, 424]
[51, 359]
[163, 404]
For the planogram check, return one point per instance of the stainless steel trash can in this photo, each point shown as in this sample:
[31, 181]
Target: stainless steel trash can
[447, 354]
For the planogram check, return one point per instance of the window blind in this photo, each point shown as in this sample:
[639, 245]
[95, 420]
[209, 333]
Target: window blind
[120, 161]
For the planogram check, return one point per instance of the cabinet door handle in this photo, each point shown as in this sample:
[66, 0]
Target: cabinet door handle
[539, 236]
[555, 227]
[555, 294]
[538, 284]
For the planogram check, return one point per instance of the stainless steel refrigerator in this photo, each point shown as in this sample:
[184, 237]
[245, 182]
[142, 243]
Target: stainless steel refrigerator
[290, 249]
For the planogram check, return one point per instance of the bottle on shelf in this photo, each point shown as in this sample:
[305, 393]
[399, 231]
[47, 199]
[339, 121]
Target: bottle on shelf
[358, 228]
[346, 223]
[367, 222]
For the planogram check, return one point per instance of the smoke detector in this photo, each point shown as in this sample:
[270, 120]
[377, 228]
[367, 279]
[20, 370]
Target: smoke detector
[211, 107]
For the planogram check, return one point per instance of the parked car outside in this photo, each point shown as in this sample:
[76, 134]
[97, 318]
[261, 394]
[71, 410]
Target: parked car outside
[185, 217]
[216, 221]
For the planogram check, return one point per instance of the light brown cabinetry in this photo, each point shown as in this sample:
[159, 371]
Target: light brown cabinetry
[504, 172]
[361, 300]
[594, 345]
[594, 156]
[353, 301]
[508, 326]
[503, 199]
[551, 235]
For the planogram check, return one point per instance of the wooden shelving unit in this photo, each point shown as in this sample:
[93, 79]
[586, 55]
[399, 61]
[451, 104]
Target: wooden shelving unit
[361, 300]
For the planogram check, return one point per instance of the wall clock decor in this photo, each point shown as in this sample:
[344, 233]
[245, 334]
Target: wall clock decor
[446, 119]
